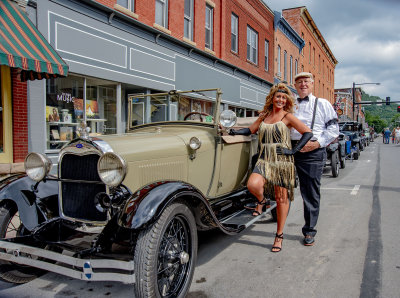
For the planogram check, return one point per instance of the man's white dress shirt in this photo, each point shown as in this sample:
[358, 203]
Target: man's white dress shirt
[326, 128]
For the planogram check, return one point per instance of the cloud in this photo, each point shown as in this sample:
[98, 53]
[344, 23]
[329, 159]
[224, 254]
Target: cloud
[363, 36]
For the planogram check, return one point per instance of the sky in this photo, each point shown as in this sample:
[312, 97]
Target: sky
[363, 35]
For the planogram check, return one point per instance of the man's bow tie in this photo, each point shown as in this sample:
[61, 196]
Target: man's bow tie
[303, 99]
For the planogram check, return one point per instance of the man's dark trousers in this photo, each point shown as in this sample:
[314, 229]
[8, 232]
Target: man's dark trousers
[309, 167]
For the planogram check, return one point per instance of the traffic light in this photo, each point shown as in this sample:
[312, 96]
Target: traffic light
[388, 101]
[398, 109]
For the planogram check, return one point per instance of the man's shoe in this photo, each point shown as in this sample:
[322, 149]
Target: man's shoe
[309, 240]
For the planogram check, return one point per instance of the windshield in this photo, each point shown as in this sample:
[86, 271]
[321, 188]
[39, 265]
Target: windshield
[195, 106]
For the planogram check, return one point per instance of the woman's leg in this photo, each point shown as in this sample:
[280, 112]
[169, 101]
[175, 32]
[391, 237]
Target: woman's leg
[255, 185]
[282, 209]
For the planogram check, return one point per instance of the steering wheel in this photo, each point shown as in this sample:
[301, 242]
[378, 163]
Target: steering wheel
[196, 113]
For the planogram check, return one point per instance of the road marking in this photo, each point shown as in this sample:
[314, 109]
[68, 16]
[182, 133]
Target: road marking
[368, 160]
[333, 188]
[355, 190]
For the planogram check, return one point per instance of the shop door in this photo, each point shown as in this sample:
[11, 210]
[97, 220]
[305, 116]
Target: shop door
[5, 116]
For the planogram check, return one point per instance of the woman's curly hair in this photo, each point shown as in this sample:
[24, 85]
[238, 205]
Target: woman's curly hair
[269, 99]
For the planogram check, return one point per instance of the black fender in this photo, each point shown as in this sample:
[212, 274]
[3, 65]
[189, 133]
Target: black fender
[333, 147]
[20, 190]
[147, 204]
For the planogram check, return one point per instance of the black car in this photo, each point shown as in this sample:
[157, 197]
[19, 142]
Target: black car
[351, 129]
[336, 155]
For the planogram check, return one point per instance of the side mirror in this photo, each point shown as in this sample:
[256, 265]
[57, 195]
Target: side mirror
[227, 118]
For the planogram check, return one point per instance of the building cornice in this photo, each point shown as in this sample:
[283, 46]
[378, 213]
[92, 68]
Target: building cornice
[281, 24]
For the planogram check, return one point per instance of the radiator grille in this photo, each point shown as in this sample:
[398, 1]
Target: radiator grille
[77, 199]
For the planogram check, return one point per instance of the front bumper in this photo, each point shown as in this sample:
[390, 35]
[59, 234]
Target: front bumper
[83, 269]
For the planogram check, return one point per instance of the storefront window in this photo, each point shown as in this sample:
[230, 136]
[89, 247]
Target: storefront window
[101, 106]
[66, 108]
[164, 109]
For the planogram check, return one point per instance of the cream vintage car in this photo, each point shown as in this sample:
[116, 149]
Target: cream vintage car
[127, 207]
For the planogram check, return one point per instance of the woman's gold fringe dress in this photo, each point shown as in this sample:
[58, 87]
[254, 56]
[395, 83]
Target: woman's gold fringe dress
[276, 169]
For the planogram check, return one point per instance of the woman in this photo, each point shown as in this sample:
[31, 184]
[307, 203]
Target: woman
[274, 171]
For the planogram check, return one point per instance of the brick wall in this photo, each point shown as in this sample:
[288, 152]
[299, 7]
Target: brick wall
[250, 12]
[320, 65]
[292, 51]
[20, 117]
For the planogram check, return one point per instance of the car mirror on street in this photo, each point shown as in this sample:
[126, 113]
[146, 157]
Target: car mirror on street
[227, 118]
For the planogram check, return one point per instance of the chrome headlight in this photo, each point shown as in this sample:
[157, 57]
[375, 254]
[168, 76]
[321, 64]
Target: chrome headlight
[111, 169]
[194, 143]
[37, 166]
[227, 118]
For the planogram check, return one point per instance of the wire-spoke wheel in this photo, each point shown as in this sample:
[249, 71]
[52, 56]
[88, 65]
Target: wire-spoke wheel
[11, 226]
[166, 253]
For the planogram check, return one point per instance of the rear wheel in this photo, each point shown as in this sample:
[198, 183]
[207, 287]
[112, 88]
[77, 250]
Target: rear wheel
[356, 154]
[166, 253]
[11, 226]
[342, 161]
[335, 163]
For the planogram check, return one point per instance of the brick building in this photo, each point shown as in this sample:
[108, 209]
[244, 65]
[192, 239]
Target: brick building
[316, 56]
[344, 100]
[24, 55]
[288, 47]
[118, 48]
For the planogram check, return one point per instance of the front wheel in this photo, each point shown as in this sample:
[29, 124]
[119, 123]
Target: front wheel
[10, 227]
[166, 253]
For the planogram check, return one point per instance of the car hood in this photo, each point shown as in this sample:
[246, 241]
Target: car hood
[146, 145]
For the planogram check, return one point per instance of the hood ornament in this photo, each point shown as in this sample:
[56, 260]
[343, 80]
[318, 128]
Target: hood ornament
[83, 130]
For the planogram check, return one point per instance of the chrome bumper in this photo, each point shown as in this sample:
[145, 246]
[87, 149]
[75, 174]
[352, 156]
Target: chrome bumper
[83, 269]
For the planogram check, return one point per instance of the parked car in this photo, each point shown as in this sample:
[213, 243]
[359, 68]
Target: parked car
[351, 130]
[336, 156]
[128, 207]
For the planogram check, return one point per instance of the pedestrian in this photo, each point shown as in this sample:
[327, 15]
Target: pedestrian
[393, 134]
[319, 115]
[387, 134]
[397, 134]
[274, 172]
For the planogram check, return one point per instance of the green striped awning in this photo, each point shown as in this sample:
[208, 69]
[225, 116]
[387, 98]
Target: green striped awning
[23, 46]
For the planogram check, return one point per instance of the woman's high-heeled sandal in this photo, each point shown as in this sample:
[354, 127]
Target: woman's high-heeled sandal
[263, 203]
[277, 248]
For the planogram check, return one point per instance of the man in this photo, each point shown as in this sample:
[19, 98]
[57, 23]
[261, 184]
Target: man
[311, 159]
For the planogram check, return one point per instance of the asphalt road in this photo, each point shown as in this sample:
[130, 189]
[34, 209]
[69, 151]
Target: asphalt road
[355, 254]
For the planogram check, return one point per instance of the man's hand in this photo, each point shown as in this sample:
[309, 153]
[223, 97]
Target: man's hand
[310, 146]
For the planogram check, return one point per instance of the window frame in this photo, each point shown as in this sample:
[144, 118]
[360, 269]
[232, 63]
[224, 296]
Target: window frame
[278, 58]
[130, 5]
[250, 47]
[285, 65]
[164, 21]
[266, 55]
[234, 35]
[189, 19]
[209, 30]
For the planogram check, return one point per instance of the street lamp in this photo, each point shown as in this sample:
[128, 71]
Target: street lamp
[354, 93]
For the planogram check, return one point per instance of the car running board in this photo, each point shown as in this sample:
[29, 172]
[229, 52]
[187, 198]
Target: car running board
[244, 218]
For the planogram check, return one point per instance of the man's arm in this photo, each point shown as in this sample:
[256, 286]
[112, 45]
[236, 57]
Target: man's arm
[331, 131]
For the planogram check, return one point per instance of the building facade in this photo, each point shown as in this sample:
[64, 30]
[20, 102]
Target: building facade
[116, 49]
[344, 100]
[24, 55]
[288, 47]
[316, 56]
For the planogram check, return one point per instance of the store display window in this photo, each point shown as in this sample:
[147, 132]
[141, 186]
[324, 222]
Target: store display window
[64, 103]
[66, 107]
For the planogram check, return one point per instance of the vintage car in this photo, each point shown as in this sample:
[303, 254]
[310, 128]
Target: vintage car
[351, 130]
[336, 155]
[128, 207]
